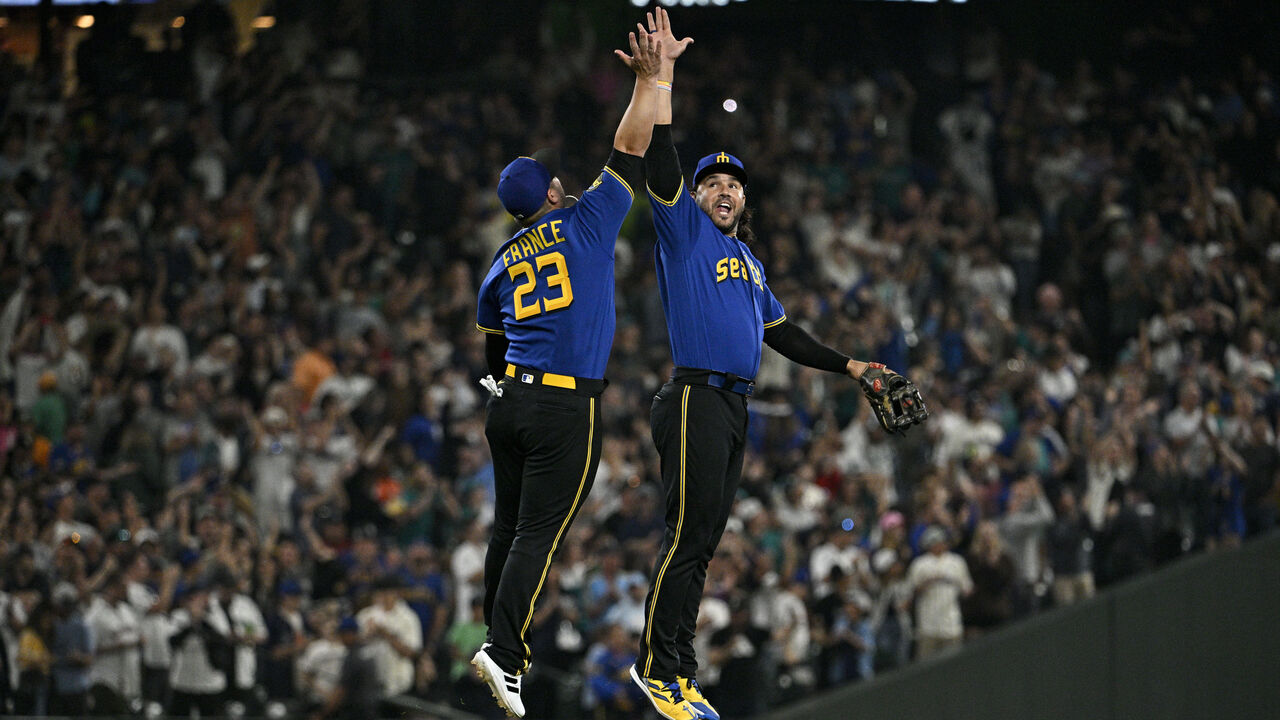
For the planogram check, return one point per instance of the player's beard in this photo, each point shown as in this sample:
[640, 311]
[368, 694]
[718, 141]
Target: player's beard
[728, 226]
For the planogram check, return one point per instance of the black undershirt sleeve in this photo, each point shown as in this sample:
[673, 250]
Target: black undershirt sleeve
[798, 346]
[662, 165]
[628, 167]
[495, 354]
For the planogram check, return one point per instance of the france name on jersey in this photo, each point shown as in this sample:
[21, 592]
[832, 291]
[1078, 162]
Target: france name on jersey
[550, 288]
[713, 291]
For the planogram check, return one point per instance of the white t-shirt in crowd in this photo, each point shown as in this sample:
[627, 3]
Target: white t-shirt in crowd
[157, 628]
[938, 603]
[191, 671]
[322, 660]
[111, 625]
[850, 559]
[394, 670]
[12, 614]
[252, 629]
[149, 340]
[468, 559]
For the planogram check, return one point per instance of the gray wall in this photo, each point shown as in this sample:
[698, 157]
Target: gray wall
[1199, 640]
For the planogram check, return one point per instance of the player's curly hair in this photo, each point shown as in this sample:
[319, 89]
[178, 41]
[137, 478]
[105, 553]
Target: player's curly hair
[745, 234]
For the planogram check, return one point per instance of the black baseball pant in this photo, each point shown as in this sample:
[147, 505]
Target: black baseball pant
[545, 443]
[700, 432]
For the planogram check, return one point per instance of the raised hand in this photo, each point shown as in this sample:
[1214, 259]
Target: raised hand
[660, 25]
[646, 54]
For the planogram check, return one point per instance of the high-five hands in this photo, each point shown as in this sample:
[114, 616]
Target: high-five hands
[660, 25]
[646, 54]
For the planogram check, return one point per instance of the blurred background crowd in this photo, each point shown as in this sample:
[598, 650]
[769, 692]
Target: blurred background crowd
[242, 455]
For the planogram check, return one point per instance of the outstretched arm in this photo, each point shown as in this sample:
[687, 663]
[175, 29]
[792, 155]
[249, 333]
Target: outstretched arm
[660, 27]
[799, 346]
[636, 128]
[662, 164]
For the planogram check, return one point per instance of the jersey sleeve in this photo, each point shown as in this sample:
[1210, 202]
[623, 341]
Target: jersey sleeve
[676, 220]
[771, 312]
[598, 215]
[675, 214]
[488, 311]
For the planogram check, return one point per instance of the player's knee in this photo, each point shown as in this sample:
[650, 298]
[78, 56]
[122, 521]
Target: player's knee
[696, 537]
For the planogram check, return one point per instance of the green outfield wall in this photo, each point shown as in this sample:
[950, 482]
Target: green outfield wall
[1199, 640]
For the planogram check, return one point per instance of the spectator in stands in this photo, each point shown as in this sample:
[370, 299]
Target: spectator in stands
[938, 578]
[247, 632]
[427, 594]
[394, 636]
[463, 640]
[854, 634]
[737, 653]
[287, 637]
[35, 662]
[73, 654]
[994, 582]
[116, 673]
[788, 623]
[467, 566]
[13, 616]
[202, 656]
[49, 412]
[319, 667]
[1023, 529]
[1070, 551]
[841, 551]
[156, 624]
[358, 691]
[609, 692]
[610, 584]
[891, 616]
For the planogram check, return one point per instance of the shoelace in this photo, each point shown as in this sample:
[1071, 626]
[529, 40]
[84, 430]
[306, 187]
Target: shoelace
[695, 686]
[673, 687]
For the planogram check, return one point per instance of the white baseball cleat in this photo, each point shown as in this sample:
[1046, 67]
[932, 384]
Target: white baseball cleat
[504, 686]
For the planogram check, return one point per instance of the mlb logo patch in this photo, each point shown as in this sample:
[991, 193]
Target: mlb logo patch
[526, 378]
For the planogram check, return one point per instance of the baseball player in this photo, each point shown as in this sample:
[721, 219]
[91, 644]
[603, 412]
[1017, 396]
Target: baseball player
[719, 308]
[547, 309]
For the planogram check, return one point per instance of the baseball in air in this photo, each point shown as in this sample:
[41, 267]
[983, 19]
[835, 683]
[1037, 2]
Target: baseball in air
[730, 105]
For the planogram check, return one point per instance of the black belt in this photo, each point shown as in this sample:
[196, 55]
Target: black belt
[715, 379]
[529, 376]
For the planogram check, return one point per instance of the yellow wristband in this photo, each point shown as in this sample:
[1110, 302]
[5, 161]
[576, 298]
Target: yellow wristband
[664, 85]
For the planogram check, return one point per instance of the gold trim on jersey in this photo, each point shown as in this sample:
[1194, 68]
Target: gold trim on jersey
[618, 177]
[775, 322]
[491, 331]
[669, 203]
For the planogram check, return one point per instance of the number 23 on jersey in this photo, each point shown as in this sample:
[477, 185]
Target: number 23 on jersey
[526, 278]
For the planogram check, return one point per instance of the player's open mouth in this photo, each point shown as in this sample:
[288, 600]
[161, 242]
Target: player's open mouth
[724, 209]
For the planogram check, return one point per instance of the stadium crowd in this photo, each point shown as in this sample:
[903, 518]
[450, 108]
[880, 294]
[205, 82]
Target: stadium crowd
[242, 453]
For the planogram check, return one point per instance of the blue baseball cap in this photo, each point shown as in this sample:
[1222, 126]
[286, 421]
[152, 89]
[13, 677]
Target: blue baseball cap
[720, 162]
[348, 624]
[522, 187]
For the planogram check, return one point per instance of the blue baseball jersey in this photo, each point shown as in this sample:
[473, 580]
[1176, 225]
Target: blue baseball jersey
[714, 292]
[550, 288]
